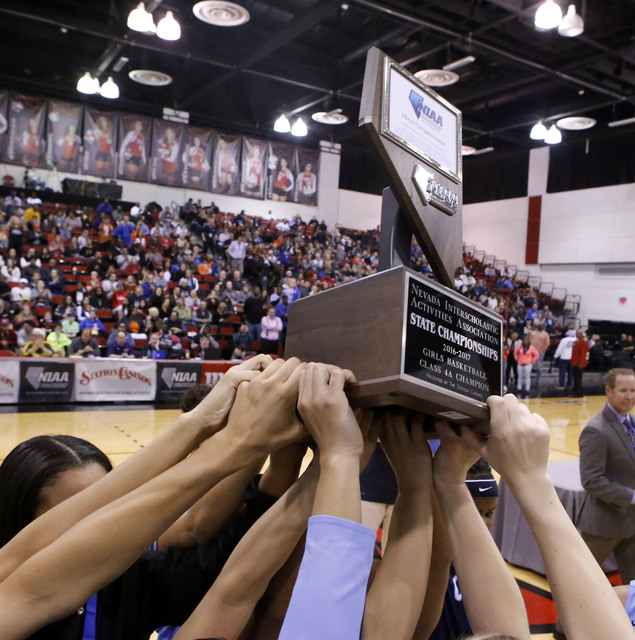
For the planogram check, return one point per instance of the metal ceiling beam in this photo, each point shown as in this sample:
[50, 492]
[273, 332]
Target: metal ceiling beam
[306, 21]
[378, 7]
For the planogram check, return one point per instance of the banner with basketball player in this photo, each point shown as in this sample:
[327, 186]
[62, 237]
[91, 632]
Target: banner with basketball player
[25, 143]
[306, 181]
[63, 143]
[225, 174]
[197, 158]
[100, 143]
[281, 171]
[167, 142]
[4, 121]
[134, 148]
[253, 177]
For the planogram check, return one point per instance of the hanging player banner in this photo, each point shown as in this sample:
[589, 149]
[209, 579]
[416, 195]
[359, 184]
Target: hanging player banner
[306, 181]
[134, 149]
[281, 170]
[252, 184]
[62, 135]
[196, 158]
[9, 381]
[226, 163]
[4, 122]
[25, 144]
[100, 143]
[167, 140]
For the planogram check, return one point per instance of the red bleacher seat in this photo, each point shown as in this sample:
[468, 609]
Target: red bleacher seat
[235, 319]
[104, 313]
[227, 331]
[139, 343]
[57, 299]
[255, 346]
[40, 311]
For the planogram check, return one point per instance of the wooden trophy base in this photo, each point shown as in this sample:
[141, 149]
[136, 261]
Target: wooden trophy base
[409, 341]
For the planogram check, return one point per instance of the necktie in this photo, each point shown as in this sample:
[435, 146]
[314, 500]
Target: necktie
[630, 428]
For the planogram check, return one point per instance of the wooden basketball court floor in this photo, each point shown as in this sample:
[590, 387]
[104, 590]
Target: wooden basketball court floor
[120, 431]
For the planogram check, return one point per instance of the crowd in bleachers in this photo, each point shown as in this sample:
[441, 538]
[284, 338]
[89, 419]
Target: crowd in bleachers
[204, 283]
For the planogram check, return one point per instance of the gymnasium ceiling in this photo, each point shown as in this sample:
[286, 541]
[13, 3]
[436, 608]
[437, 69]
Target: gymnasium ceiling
[302, 56]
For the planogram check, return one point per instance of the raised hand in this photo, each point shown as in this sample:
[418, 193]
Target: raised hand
[214, 408]
[407, 450]
[324, 409]
[455, 455]
[263, 415]
[518, 442]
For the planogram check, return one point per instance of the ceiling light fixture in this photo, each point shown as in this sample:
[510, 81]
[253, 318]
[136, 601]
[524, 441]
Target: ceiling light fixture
[548, 16]
[480, 152]
[572, 24]
[141, 20]
[109, 89]
[169, 28]
[553, 135]
[538, 131]
[282, 124]
[88, 85]
[299, 128]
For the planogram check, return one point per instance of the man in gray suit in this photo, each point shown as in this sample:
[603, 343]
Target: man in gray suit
[607, 471]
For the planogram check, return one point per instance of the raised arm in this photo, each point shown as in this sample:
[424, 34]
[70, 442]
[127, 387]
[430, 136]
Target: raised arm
[330, 591]
[498, 608]
[62, 576]
[394, 601]
[174, 445]
[230, 602]
[518, 448]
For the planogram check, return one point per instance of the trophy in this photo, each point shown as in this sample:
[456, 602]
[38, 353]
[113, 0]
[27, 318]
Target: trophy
[410, 341]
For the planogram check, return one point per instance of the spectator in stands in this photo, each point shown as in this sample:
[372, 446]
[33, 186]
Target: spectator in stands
[11, 271]
[242, 337]
[8, 337]
[92, 322]
[84, 346]
[120, 348]
[66, 307]
[206, 349]
[183, 312]
[70, 326]
[152, 349]
[24, 315]
[253, 313]
[236, 252]
[202, 315]
[579, 355]
[174, 324]
[239, 352]
[99, 299]
[511, 344]
[38, 347]
[58, 340]
[57, 286]
[525, 356]
[21, 292]
[24, 333]
[136, 297]
[104, 208]
[563, 357]
[123, 232]
[270, 330]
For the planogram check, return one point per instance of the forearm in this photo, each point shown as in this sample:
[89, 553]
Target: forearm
[338, 491]
[230, 602]
[475, 555]
[58, 579]
[162, 453]
[584, 598]
[438, 576]
[210, 514]
[394, 602]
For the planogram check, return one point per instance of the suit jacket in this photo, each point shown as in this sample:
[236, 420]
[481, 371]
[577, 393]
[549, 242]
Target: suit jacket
[607, 472]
